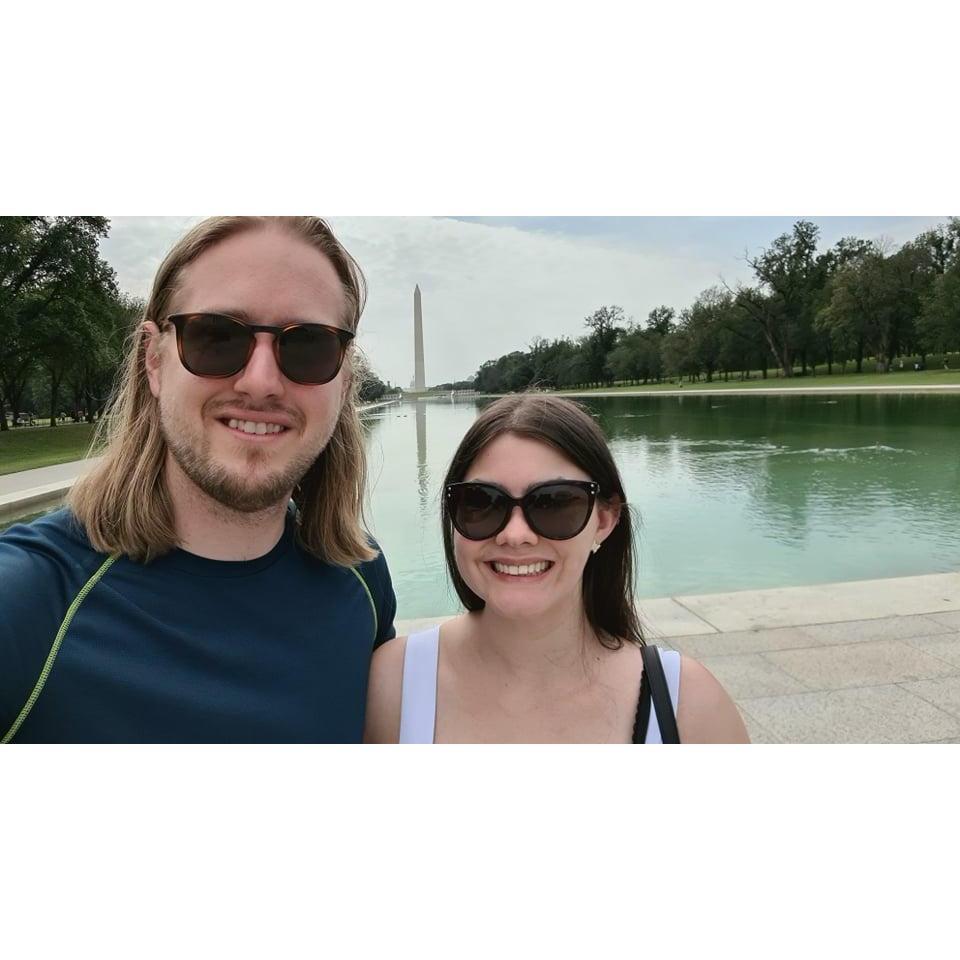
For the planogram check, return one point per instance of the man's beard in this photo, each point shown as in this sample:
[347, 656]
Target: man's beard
[235, 492]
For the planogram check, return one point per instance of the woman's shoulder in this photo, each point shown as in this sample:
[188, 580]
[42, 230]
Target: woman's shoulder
[706, 713]
[385, 686]
[385, 692]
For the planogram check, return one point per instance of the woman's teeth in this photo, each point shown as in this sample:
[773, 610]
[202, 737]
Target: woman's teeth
[254, 426]
[521, 570]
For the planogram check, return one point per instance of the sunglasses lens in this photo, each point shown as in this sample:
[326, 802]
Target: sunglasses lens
[310, 354]
[214, 346]
[558, 511]
[477, 510]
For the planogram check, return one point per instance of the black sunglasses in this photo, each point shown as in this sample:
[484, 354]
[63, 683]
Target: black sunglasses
[557, 509]
[215, 345]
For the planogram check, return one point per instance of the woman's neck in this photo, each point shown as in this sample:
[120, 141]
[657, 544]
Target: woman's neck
[560, 648]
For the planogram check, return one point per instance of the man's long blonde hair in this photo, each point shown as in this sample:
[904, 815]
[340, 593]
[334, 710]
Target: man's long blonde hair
[123, 502]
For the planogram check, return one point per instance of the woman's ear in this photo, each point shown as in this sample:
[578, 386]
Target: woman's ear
[152, 356]
[608, 515]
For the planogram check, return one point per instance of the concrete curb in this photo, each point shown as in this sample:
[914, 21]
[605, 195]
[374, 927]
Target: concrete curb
[746, 611]
[762, 391]
[34, 499]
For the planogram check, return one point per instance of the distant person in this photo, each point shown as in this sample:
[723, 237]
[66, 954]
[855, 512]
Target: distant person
[210, 580]
[537, 536]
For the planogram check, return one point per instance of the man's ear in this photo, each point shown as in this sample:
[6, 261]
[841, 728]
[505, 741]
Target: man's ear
[346, 380]
[153, 359]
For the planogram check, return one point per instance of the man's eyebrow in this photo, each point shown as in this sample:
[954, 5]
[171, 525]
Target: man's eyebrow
[239, 314]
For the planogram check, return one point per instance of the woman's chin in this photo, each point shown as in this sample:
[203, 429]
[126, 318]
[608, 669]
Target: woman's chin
[524, 608]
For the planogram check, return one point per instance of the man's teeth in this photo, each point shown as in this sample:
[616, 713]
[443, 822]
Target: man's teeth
[254, 426]
[521, 570]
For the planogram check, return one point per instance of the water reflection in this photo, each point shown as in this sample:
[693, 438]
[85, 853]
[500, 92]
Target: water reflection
[733, 492]
[423, 475]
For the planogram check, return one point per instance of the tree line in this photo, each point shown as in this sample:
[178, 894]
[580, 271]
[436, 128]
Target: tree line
[64, 322]
[859, 300]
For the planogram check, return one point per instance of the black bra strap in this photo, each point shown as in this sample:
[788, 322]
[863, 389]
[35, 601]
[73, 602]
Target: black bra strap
[660, 695]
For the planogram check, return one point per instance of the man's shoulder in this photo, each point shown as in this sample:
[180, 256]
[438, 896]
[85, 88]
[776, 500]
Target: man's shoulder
[374, 571]
[379, 563]
[56, 538]
[43, 564]
[43, 568]
[376, 575]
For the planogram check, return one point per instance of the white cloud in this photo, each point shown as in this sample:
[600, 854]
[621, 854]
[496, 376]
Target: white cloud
[488, 290]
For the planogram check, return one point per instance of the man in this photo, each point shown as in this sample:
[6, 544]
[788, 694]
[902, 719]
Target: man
[210, 580]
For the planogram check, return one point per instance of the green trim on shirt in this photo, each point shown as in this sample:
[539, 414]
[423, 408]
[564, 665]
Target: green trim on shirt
[58, 640]
[373, 606]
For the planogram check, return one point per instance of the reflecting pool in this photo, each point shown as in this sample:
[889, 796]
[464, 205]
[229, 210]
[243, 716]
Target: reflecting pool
[732, 492]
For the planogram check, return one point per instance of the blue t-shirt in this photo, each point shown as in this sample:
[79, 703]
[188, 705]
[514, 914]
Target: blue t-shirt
[183, 649]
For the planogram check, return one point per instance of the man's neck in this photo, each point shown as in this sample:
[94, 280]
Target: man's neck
[208, 529]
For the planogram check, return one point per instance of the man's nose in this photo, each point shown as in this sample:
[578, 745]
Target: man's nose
[261, 377]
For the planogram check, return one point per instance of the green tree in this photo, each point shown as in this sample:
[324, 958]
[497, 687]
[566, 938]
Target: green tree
[605, 327]
[660, 320]
[706, 326]
[46, 264]
[636, 357]
[938, 262]
[939, 322]
[789, 276]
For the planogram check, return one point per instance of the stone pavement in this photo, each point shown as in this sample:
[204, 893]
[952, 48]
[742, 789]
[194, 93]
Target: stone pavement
[875, 661]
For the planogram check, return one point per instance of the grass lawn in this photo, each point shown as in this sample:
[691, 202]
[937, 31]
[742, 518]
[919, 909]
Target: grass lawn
[24, 448]
[905, 379]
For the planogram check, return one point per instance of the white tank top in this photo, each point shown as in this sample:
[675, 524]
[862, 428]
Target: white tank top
[418, 697]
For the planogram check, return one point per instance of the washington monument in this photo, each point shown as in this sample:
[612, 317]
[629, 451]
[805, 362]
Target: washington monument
[419, 381]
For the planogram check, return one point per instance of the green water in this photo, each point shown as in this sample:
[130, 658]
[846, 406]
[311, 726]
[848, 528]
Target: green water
[733, 492]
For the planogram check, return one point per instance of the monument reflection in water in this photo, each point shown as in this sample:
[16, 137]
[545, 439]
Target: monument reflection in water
[732, 492]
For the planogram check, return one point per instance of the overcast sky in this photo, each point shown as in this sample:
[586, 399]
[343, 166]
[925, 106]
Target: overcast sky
[491, 284]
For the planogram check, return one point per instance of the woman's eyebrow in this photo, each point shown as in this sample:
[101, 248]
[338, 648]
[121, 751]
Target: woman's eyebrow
[527, 489]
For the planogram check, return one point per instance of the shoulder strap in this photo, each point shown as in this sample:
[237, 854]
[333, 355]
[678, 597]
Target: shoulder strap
[642, 719]
[660, 695]
[418, 696]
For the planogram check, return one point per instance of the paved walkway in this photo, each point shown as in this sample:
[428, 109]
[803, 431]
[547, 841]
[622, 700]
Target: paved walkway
[875, 661]
[28, 479]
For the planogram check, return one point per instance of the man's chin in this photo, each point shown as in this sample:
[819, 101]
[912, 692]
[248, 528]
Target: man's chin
[244, 486]
[253, 501]
[249, 495]
[242, 493]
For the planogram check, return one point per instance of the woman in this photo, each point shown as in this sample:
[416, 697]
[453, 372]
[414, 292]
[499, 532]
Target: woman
[538, 544]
